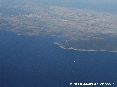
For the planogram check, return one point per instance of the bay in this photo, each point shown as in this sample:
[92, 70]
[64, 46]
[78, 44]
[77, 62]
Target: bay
[34, 61]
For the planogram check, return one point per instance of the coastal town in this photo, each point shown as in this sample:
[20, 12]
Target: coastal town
[74, 24]
[52, 20]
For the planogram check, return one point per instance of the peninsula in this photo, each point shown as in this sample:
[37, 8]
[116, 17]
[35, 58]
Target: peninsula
[83, 29]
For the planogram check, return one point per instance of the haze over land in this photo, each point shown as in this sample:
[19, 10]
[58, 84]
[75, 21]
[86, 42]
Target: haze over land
[77, 20]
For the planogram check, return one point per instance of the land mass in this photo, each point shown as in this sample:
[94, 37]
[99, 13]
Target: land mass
[83, 29]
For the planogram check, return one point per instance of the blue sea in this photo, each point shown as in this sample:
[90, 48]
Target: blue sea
[34, 61]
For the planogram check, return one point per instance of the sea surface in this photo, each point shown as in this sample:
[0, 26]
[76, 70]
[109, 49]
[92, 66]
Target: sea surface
[34, 61]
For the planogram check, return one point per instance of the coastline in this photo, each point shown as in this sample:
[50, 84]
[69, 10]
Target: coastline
[71, 48]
